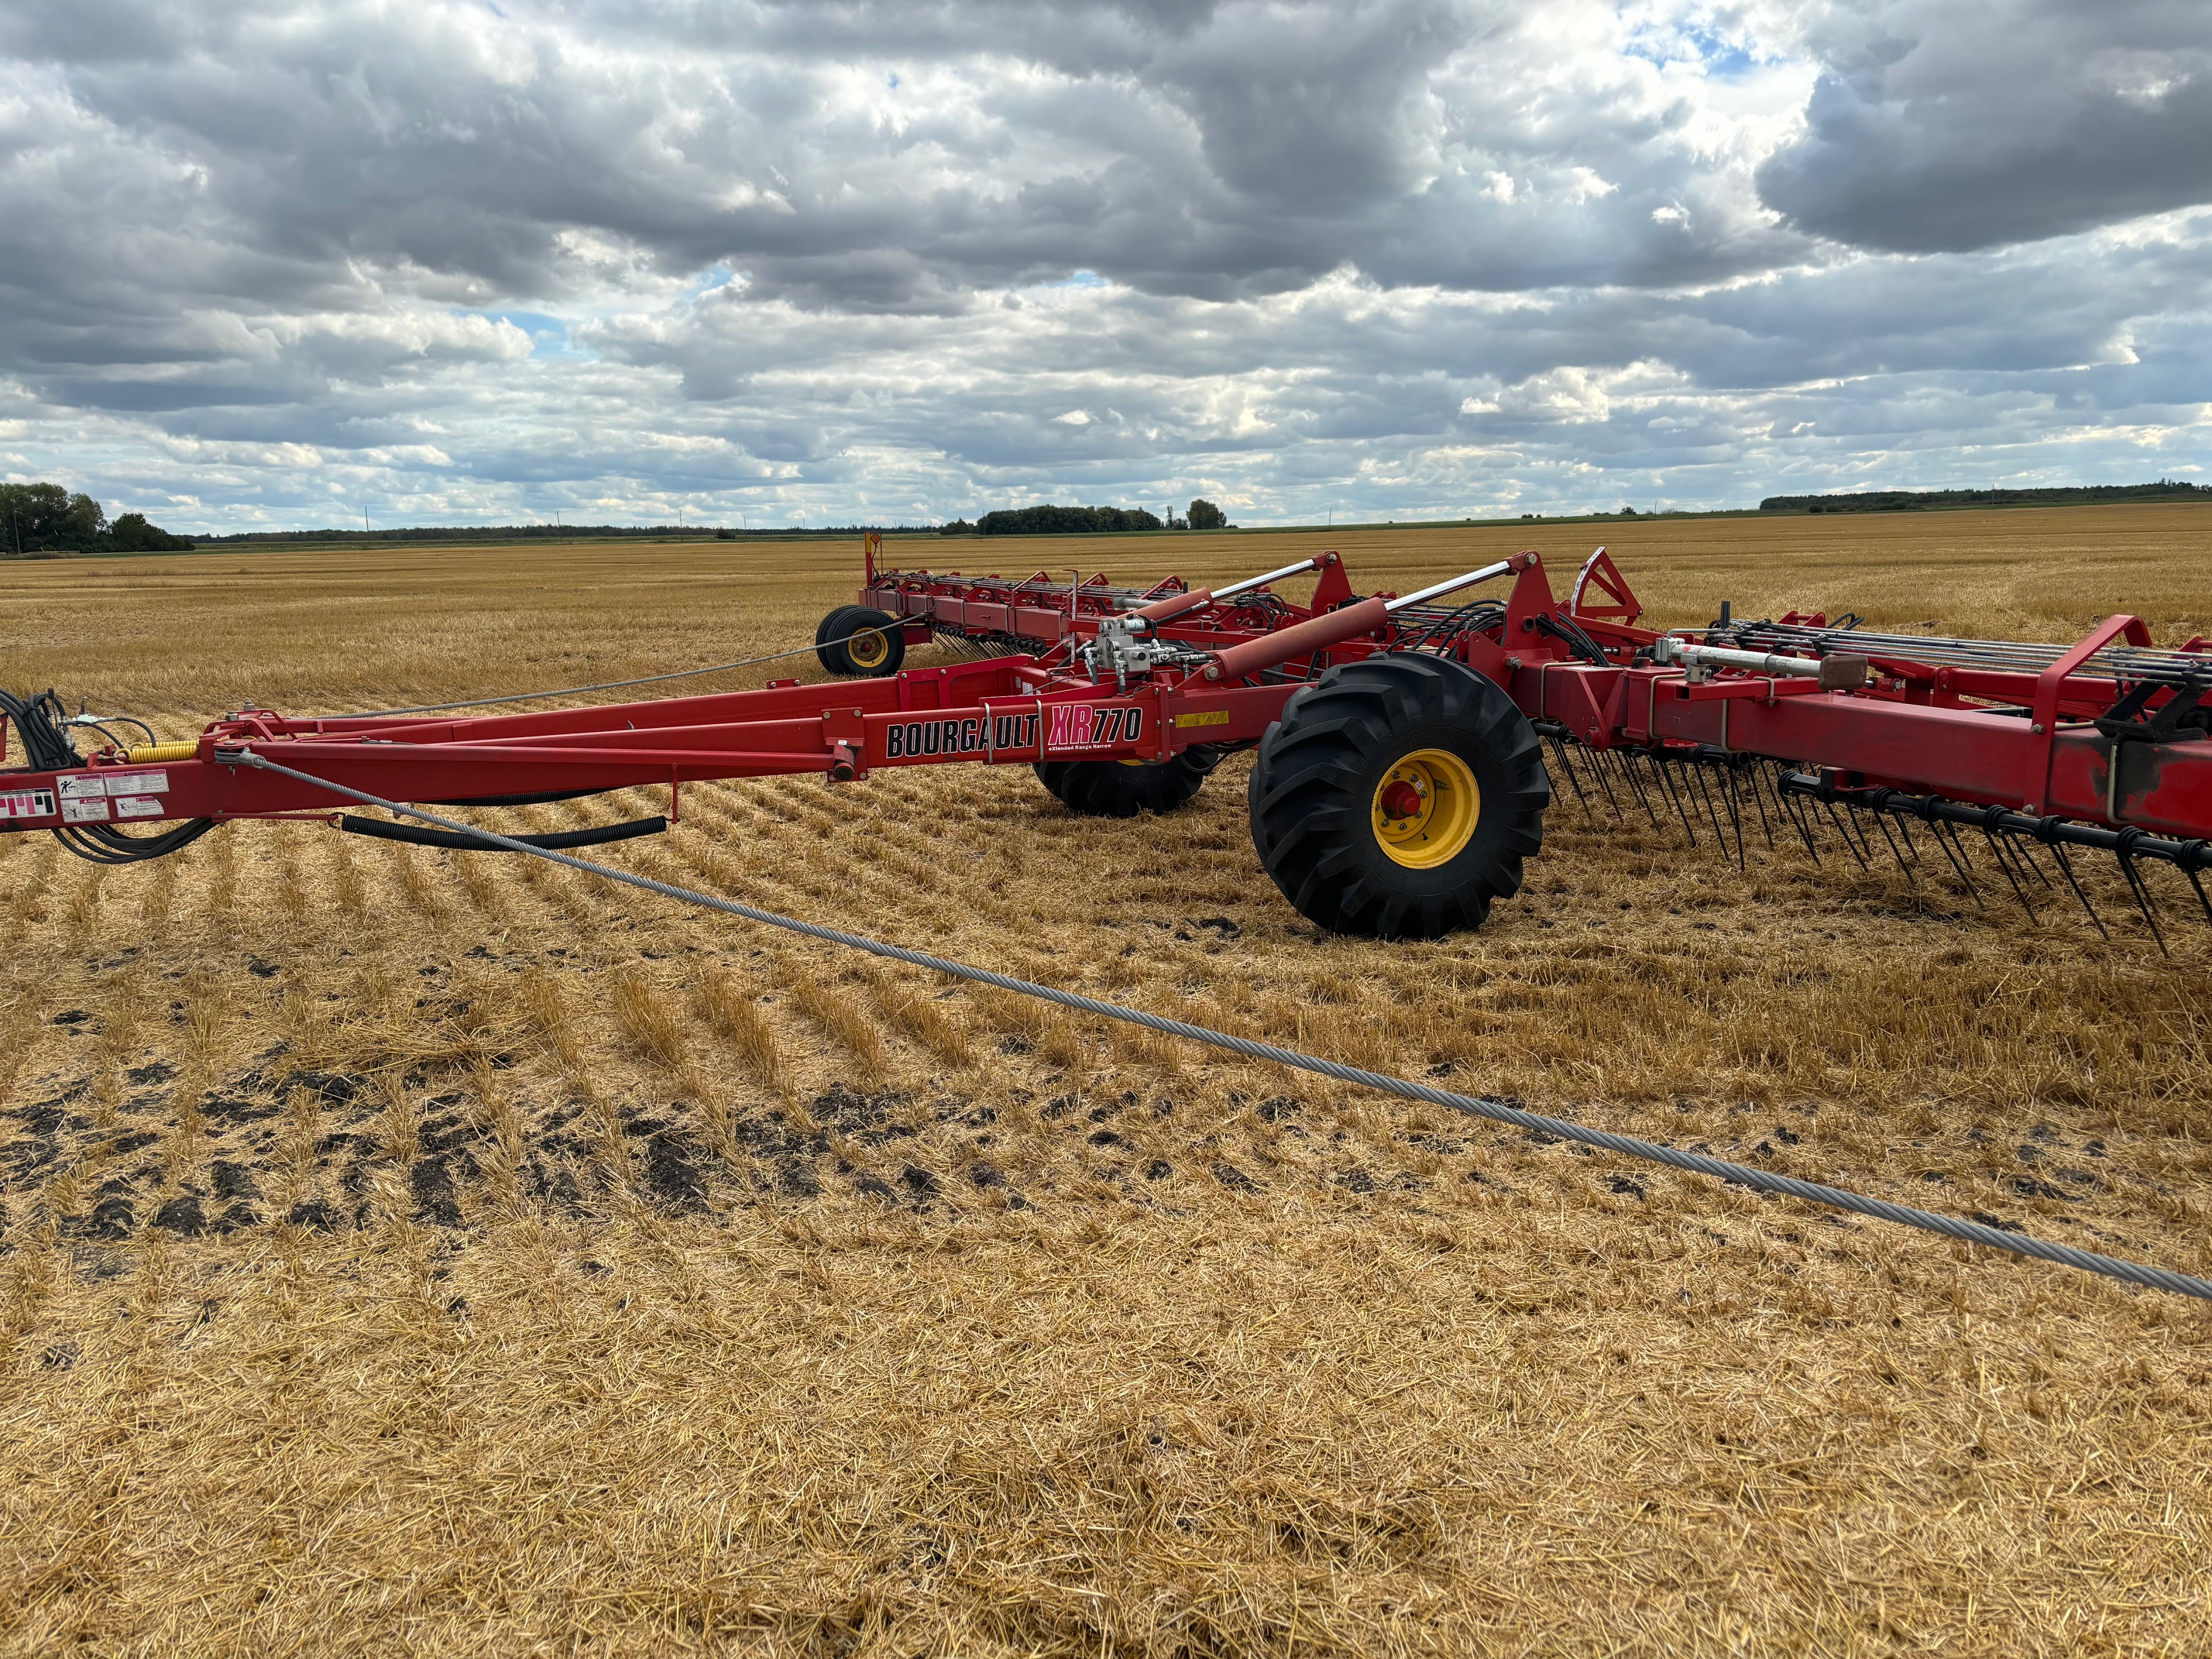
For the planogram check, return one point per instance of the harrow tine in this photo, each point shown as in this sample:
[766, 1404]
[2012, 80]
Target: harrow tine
[1946, 837]
[1802, 818]
[1758, 771]
[1566, 765]
[2066, 869]
[1855, 833]
[1881, 822]
[1728, 779]
[1673, 789]
[2140, 893]
[2196, 881]
[1705, 794]
[2004, 864]
[1904, 834]
[1844, 829]
[1598, 767]
[1636, 777]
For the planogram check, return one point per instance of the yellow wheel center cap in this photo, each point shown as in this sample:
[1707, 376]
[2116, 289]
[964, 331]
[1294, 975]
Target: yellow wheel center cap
[1426, 807]
[868, 649]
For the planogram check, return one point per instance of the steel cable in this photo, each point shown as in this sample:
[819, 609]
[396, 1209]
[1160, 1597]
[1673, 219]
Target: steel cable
[1837, 1198]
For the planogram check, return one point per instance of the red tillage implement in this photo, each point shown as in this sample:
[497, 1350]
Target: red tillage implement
[1400, 780]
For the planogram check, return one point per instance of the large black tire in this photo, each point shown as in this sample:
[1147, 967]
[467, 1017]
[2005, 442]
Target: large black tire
[1109, 789]
[1342, 759]
[857, 642]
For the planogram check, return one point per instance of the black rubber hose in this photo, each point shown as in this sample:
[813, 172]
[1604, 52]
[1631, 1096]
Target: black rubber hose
[467, 841]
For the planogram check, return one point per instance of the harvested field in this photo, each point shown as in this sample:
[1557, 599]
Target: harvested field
[406, 1248]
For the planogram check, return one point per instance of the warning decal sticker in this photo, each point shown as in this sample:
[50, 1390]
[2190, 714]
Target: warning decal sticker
[84, 812]
[26, 804]
[137, 806]
[91, 785]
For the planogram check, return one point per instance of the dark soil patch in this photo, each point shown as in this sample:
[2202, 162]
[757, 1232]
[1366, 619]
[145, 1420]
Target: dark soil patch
[183, 1215]
[234, 1179]
[433, 1187]
[671, 1173]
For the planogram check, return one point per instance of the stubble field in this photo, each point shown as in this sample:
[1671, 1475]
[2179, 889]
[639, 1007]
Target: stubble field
[406, 1248]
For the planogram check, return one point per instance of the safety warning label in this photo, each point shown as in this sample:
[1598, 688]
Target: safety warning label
[84, 812]
[137, 806]
[26, 804]
[93, 785]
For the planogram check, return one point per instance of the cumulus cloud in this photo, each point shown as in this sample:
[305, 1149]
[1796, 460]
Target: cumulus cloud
[1943, 125]
[276, 260]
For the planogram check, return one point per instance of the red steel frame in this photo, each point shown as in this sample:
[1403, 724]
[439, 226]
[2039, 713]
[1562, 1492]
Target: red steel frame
[1957, 733]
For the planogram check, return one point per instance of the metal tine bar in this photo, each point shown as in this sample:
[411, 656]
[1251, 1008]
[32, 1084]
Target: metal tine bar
[1666, 785]
[1559, 750]
[1697, 773]
[2143, 898]
[1904, 834]
[2066, 869]
[2196, 881]
[1802, 818]
[1852, 830]
[1881, 822]
[1947, 838]
[2012, 881]
[1845, 831]
[1628, 759]
[1728, 782]
[1676, 793]
[2026, 850]
[2013, 849]
[1599, 758]
[1758, 770]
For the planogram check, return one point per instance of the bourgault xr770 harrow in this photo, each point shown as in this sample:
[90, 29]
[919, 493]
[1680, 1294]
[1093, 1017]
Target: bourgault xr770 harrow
[1401, 779]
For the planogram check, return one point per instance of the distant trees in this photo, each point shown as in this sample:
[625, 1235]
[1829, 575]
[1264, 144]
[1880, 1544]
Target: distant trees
[43, 520]
[131, 534]
[1204, 515]
[958, 527]
[1049, 521]
[1920, 500]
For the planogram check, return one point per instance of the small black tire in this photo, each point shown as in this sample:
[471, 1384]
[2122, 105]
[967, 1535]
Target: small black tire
[1409, 728]
[1113, 789]
[832, 627]
[858, 643]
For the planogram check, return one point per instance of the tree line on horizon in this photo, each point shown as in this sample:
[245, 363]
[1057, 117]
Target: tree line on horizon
[1913, 500]
[44, 521]
[1047, 520]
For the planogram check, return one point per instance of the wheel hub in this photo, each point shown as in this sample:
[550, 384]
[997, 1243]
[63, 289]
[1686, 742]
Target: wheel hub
[1426, 808]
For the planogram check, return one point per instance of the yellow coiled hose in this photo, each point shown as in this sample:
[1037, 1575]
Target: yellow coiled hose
[154, 754]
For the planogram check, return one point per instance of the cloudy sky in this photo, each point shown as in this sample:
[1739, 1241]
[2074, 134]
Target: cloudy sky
[277, 265]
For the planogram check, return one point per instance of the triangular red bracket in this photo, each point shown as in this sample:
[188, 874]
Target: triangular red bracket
[1599, 571]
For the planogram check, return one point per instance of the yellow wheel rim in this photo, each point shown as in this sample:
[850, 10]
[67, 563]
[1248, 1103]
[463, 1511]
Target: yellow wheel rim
[1426, 808]
[868, 650]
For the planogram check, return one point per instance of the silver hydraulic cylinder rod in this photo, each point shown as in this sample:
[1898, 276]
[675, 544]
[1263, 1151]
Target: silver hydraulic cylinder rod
[1251, 582]
[1174, 605]
[1838, 673]
[1451, 587]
